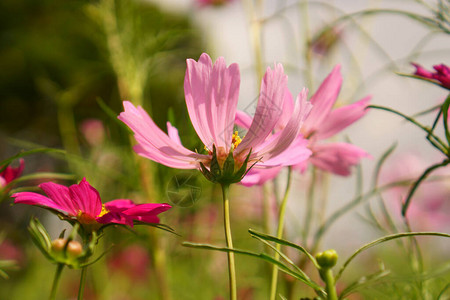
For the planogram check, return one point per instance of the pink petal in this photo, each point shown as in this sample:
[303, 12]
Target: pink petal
[154, 144]
[288, 108]
[422, 72]
[147, 208]
[323, 101]
[148, 219]
[172, 132]
[296, 153]
[342, 117]
[119, 205]
[37, 199]
[260, 176]
[337, 158]
[211, 93]
[243, 119]
[60, 195]
[268, 110]
[116, 218]
[86, 198]
[281, 141]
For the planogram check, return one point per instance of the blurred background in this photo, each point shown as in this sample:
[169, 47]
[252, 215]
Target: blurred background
[68, 65]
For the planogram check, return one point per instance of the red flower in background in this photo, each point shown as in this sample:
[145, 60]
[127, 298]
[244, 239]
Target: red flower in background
[441, 75]
[10, 173]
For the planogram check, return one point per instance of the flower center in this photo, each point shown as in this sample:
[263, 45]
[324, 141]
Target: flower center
[235, 141]
[103, 212]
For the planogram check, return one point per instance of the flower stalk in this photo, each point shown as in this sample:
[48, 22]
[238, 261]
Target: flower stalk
[82, 283]
[229, 241]
[327, 260]
[58, 272]
[282, 212]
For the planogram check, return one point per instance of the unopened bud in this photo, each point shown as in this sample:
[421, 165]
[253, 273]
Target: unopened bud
[73, 250]
[327, 259]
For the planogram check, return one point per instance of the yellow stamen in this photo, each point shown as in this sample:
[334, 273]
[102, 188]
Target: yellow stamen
[103, 212]
[235, 140]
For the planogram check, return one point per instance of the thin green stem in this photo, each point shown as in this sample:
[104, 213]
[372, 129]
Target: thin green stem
[282, 212]
[330, 285]
[437, 142]
[82, 283]
[309, 207]
[58, 272]
[419, 181]
[307, 37]
[229, 240]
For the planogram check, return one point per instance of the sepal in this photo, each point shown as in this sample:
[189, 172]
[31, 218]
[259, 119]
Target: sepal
[227, 173]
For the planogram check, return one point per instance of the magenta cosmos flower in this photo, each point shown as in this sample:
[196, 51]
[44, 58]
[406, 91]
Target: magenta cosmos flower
[322, 123]
[211, 92]
[81, 202]
[441, 75]
[10, 173]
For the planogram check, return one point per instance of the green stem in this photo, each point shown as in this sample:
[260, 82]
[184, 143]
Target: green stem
[59, 269]
[419, 181]
[436, 141]
[229, 240]
[282, 212]
[330, 285]
[82, 283]
[309, 207]
[160, 263]
[307, 37]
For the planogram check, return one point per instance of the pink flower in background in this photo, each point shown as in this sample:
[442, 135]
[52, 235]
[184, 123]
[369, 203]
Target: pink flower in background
[132, 261]
[429, 208]
[10, 173]
[82, 202]
[322, 123]
[93, 131]
[441, 74]
[211, 92]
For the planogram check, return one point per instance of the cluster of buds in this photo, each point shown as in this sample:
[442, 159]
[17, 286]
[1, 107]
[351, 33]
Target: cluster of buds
[64, 251]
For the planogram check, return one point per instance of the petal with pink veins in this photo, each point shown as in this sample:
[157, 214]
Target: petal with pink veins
[342, 117]
[154, 144]
[86, 198]
[60, 194]
[172, 132]
[211, 93]
[323, 101]
[37, 199]
[281, 141]
[268, 109]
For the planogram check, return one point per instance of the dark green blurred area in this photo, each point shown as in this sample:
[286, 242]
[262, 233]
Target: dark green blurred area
[55, 54]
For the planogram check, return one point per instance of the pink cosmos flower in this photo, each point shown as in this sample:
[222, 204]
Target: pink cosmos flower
[441, 75]
[81, 202]
[429, 208]
[10, 173]
[93, 131]
[211, 92]
[323, 122]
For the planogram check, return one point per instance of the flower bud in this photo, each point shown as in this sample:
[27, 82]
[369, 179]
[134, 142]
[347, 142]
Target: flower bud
[327, 259]
[73, 250]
